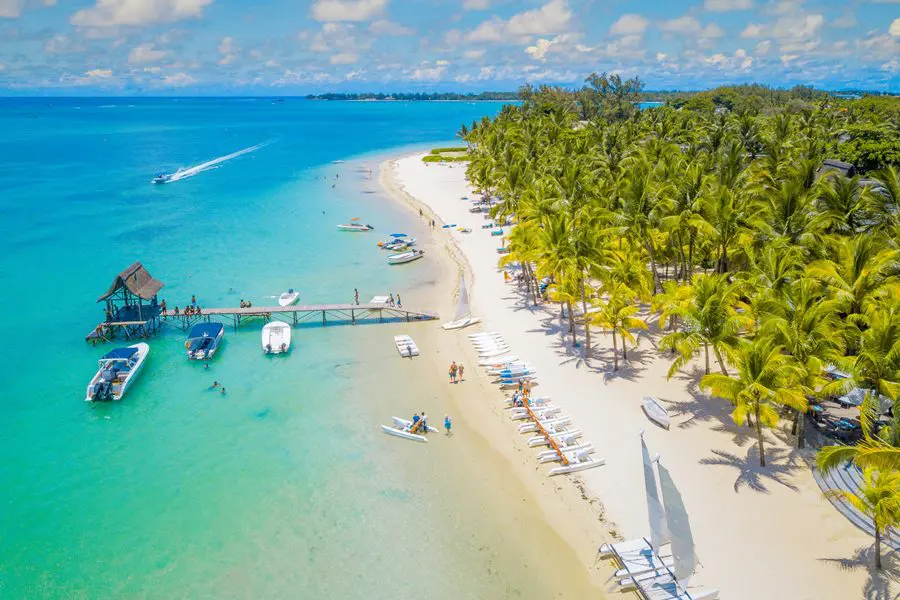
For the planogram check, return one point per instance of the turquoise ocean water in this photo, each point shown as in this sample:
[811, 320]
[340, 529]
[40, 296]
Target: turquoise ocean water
[274, 490]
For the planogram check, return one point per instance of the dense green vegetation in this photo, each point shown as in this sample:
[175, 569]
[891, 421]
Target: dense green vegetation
[453, 154]
[725, 224]
[414, 96]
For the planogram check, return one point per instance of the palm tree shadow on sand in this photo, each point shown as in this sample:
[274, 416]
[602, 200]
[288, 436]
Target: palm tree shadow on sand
[879, 585]
[780, 467]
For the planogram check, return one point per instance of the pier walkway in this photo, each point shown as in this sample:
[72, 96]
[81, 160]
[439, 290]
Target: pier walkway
[296, 315]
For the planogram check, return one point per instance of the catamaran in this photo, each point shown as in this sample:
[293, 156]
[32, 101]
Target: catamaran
[403, 428]
[463, 316]
[203, 340]
[118, 370]
[276, 337]
[289, 298]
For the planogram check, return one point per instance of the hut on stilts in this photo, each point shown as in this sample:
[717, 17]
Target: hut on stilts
[132, 308]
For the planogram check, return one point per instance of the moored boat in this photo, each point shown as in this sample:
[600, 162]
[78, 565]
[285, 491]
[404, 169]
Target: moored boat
[276, 337]
[203, 340]
[355, 227]
[405, 257]
[289, 298]
[118, 370]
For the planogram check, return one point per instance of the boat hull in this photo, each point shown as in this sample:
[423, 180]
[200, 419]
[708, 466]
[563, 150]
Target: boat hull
[143, 351]
[288, 299]
[655, 412]
[403, 434]
[276, 337]
[461, 324]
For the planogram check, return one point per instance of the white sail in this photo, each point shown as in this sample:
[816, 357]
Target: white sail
[462, 304]
[659, 532]
[679, 528]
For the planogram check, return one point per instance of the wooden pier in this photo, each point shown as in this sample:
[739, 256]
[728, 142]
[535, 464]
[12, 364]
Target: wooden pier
[312, 314]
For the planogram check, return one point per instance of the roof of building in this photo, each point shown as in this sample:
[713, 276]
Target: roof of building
[137, 280]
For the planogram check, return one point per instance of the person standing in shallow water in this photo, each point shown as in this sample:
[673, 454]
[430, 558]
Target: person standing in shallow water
[447, 423]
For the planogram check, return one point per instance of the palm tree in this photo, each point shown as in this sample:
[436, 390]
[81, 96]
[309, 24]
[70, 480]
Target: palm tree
[878, 497]
[871, 452]
[884, 199]
[767, 379]
[617, 315]
[710, 318]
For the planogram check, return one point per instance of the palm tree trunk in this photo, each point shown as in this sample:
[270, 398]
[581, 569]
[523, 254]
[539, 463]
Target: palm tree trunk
[571, 321]
[615, 351]
[690, 265]
[801, 429]
[877, 546]
[720, 361]
[652, 265]
[587, 325]
[706, 350]
[759, 438]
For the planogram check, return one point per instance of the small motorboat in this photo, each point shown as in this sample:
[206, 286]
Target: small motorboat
[406, 346]
[656, 412]
[358, 227]
[118, 370]
[203, 340]
[403, 428]
[405, 257]
[289, 298]
[163, 178]
[276, 337]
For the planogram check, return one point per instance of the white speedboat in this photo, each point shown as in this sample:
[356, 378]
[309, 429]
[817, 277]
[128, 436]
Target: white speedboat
[656, 412]
[289, 298]
[276, 337]
[357, 227]
[118, 370]
[203, 340]
[405, 257]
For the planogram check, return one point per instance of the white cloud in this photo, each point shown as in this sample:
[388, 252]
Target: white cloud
[347, 10]
[661, 56]
[99, 73]
[711, 31]
[845, 21]
[178, 80]
[344, 58]
[227, 50]
[715, 59]
[107, 13]
[426, 72]
[338, 39]
[727, 5]
[11, 9]
[763, 47]
[752, 30]
[683, 25]
[630, 24]
[553, 17]
[476, 4]
[385, 27]
[894, 29]
[474, 54]
[892, 66]
[145, 54]
[539, 50]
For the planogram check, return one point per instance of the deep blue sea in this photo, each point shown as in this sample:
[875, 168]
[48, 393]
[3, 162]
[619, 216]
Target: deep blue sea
[283, 488]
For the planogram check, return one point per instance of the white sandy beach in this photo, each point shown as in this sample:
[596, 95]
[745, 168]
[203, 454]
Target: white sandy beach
[759, 533]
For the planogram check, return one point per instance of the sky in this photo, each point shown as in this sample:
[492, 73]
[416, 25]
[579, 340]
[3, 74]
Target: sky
[287, 47]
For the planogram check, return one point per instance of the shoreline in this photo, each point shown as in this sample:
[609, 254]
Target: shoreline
[565, 504]
[808, 549]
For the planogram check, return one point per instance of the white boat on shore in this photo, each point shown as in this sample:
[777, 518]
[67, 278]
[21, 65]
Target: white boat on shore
[497, 363]
[463, 317]
[276, 337]
[289, 298]
[405, 257]
[656, 412]
[562, 438]
[545, 423]
[403, 428]
[579, 462]
[541, 412]
[570, 454]
[118, 370]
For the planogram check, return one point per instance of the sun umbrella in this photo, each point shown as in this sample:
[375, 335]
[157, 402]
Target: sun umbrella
[398, 235]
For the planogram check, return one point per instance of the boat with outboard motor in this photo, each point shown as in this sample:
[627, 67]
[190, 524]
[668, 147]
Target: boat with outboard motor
[276, 337]
[203, 340]
[354, 226]
[118, 370]
[405, 257]
[289, 298]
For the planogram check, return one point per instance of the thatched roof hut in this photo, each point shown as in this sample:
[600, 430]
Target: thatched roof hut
[135, 280]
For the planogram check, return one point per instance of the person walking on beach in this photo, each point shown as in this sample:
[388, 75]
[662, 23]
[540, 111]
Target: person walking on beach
[432, 223]
[453, 369]
[462, 370]
[447, 424]
[391, 300]
[355, 296]
[399, 304]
